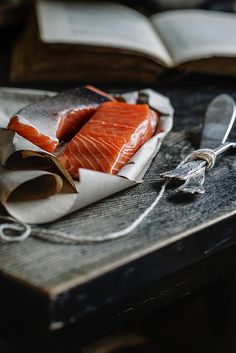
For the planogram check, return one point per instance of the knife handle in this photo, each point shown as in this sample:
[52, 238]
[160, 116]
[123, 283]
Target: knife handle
[194, 183]
[184, 171]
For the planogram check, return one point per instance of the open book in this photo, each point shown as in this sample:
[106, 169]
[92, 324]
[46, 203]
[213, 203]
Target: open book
[109, 42]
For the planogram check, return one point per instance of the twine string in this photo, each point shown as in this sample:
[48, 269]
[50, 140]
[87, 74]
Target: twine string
[206, 154]
[76, 239]
[102, 238]
[14, 226]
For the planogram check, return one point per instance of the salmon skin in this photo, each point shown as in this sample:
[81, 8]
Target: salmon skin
[110, 138]
[57, 118]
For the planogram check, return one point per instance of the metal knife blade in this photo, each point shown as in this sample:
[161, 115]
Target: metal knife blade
[218, 121]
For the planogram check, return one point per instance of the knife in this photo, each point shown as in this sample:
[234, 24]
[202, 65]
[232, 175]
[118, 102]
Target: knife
[219, 119]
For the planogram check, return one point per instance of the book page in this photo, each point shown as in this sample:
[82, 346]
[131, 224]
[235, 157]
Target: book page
[197, 34]
[99, 24]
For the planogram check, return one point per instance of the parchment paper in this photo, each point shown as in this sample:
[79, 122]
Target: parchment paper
[37, 189]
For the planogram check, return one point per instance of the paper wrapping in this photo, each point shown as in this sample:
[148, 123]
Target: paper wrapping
[34, 186]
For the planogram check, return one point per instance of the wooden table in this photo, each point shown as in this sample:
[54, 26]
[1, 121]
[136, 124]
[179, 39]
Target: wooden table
[183, 244]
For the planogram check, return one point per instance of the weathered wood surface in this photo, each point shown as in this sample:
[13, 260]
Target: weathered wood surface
[71, 281]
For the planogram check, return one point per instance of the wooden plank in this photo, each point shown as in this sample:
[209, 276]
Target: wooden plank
[72, 281]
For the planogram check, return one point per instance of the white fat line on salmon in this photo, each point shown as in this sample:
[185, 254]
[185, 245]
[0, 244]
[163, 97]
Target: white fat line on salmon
[89, 140]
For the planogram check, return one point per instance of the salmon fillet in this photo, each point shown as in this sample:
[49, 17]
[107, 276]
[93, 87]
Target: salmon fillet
[110, 138]
[57, 118]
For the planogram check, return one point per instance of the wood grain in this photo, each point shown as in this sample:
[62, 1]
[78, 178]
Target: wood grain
[65, 274]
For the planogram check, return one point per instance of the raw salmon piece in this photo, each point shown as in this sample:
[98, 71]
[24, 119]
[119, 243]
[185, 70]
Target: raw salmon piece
[57, 118]
[110, 138]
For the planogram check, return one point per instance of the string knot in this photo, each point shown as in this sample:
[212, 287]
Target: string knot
[205, 154]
